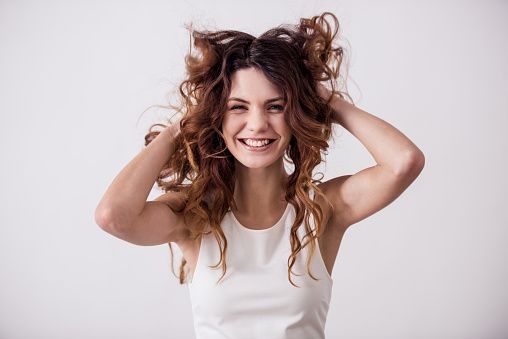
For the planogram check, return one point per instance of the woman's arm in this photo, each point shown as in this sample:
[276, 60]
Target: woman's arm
[399, 162]
[124, 211]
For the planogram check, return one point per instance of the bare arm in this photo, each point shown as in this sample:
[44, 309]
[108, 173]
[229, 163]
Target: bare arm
[399, 162]
[123, 210]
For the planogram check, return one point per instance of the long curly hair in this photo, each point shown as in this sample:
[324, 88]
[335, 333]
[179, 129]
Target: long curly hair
[295, 58]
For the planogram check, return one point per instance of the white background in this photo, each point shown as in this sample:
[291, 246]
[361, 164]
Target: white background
[76, 76]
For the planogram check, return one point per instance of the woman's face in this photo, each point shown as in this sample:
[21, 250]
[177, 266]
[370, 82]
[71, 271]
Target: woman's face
[254, 126]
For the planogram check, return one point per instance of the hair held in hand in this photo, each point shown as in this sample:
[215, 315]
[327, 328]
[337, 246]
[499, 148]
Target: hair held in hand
[295, 58]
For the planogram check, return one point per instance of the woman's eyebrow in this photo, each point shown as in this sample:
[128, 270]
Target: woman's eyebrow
[238, 99]
[269, 101]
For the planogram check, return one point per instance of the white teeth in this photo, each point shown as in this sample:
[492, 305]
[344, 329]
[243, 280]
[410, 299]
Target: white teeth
[256, 143]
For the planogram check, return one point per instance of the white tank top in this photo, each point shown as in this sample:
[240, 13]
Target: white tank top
[255, 298]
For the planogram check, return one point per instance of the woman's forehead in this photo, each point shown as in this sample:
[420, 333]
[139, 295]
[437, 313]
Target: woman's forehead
[251, 82]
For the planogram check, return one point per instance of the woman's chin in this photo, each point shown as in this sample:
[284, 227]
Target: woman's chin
[260, 164]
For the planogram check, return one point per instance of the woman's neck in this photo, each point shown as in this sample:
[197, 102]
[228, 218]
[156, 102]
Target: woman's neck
[259, 189]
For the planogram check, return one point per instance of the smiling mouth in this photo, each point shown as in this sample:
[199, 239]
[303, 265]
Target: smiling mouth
[256, 142]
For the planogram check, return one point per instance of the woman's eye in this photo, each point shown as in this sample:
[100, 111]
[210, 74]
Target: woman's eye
[237, 108]
[276, 108]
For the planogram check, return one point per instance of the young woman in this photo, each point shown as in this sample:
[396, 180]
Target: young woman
[259, 235]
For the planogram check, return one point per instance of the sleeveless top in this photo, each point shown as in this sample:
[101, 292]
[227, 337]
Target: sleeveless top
[255, 298]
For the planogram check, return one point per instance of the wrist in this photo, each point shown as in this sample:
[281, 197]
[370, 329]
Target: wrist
[173, 130]
[323, 92]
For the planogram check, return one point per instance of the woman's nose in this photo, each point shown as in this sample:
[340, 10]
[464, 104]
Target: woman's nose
[257, 120]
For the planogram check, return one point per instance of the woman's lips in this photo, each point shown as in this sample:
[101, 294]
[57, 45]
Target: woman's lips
[256, 144]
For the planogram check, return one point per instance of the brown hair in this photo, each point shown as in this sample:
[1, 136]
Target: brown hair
[296, 59]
